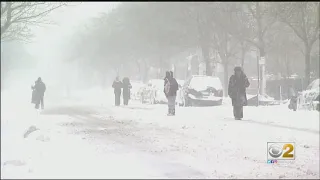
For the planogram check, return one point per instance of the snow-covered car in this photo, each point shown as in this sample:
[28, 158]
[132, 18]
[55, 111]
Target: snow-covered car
[153, 93]
[202, 91]
[264, 100]
[135, 90]
[309, 99]
[141, 92]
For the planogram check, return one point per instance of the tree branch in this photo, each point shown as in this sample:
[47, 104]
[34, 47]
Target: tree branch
[20, 15]
[296, 31]
[8, 18]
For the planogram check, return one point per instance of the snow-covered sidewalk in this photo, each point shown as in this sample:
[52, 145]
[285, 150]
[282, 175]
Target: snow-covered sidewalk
[139, 141]
[52, 152]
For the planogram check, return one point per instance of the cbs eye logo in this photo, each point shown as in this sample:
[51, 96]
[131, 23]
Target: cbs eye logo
[281, 151]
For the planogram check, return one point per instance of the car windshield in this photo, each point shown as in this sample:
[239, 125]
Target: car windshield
[313, 85]
[202, 83]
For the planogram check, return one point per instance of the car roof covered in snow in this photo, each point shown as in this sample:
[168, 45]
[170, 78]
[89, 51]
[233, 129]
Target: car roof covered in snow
[201, 82]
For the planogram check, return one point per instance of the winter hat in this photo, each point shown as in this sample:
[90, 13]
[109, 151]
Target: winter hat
[168, 74]
[238, 68]
[171, 73]
[126, 80]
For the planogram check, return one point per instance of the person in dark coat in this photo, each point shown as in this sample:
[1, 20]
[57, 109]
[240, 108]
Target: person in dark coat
[38, 93]
[126, 85]
[117, 85]
[170, 89]
[293, 105]
[238, 83]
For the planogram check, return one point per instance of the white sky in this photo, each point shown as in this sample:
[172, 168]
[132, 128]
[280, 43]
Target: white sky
[48, 39]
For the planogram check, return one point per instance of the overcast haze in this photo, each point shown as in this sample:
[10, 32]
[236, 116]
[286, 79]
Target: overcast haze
[67, 19]
[160, 90]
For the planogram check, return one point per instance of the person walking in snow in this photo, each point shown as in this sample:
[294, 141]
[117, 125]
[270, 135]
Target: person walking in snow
[38, 93]
[238, 83]
[170, 90]
[117, 85]
[126, 85]
[293, 105]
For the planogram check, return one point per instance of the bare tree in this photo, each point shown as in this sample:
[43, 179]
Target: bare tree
[222, 41]
[303, 19]
[17, 17]
[284, 50]
[245, 47]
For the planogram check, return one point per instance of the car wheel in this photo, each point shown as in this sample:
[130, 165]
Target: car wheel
[154, 101]
[180, 103]
[192, 104]
[184, 102]
[188, 102]
[219, 103]
[151, 100]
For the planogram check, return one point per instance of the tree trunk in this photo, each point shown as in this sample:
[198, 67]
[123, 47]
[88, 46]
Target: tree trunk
[262, 70]
[139, 69]
[287, 64]
[242, 58]
[204, 42]
[307, 65]
[243, 53]
[174, 70]
[145, 72]
[103, 79]
[225, 79]
[205, 55]
[278, 65]
[160, 66]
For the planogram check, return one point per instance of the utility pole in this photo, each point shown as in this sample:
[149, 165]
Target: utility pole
[263, 75]
[173, 69]
[262, 62]
[189, 72]
[2, 65]
[258, 70]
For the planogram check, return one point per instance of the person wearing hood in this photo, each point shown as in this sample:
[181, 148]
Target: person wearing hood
[238, 83]
[38, 93]
[170, 90]
[293, 105]
[126, 85]
[117, 85]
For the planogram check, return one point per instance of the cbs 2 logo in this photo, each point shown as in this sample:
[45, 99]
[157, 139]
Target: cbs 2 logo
[275, 151]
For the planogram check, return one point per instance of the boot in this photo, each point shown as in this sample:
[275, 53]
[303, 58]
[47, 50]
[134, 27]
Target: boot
[173, 112]
[169, 112]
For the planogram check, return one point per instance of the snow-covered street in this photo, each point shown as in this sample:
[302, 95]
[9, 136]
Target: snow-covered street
[90, 138]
